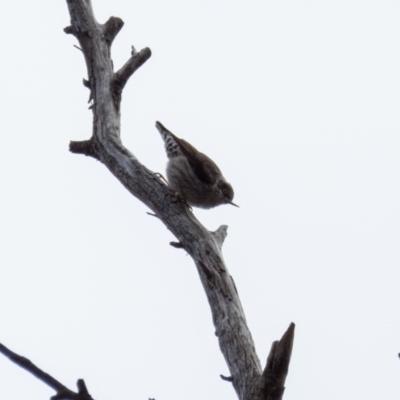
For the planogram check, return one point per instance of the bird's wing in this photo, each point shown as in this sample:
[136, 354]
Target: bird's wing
[205, 168]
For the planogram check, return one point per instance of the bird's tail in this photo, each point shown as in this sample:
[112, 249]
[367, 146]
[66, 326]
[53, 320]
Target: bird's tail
[171, 146]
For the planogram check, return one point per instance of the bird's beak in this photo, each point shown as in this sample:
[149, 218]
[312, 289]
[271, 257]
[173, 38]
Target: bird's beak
[231, 202]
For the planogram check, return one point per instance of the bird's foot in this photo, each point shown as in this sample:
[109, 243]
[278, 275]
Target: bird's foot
[181, 198]
[178, 197]
[161, 177]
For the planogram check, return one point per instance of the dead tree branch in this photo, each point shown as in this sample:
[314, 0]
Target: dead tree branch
[235, 339]
[63, 393]
[248, 379]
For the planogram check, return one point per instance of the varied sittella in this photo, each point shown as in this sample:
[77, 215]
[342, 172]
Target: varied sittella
[192, 175]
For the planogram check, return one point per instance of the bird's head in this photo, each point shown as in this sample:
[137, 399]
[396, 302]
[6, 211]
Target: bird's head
[226, 193]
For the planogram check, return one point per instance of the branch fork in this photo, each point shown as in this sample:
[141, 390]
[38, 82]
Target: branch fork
[235, 340]
[246, 375]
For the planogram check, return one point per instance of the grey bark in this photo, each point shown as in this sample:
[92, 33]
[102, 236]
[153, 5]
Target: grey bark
[249, 380]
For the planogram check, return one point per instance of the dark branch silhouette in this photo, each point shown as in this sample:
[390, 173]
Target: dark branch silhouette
[63, 393]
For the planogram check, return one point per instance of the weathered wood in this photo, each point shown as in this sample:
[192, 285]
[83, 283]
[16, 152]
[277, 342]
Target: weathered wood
[235, 340]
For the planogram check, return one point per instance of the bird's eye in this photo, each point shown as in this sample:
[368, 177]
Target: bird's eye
[225, 191]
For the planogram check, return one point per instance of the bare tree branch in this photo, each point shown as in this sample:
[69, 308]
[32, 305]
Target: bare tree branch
[111, 29]
[276, 370]
[63, 393]
[83, 147]
[248, 379]
[126, 71]
[204, 247]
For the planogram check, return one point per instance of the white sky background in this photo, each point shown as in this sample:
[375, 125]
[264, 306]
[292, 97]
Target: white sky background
[299, 104]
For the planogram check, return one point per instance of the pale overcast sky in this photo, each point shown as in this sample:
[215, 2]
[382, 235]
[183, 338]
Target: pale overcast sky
[299, 104]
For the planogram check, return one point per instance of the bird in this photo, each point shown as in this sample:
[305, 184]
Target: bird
[193, 176]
